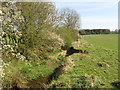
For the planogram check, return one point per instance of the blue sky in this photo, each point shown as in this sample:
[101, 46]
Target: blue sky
[93, 13]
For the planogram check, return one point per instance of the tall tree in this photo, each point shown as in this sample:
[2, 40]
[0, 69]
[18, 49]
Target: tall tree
[37, 19]
[69, 23]
[69, 18]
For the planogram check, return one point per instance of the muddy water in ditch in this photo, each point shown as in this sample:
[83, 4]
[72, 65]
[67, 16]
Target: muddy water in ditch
[42, 82]
[38, 83]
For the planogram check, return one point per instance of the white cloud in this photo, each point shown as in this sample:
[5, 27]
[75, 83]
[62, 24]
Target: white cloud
[96, 8]
[99, 23]
[100, 20]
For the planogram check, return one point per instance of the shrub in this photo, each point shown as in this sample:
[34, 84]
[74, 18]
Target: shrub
[68, 35]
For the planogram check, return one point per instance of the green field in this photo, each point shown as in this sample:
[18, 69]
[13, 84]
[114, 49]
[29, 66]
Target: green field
[97, 69]
[107, 41]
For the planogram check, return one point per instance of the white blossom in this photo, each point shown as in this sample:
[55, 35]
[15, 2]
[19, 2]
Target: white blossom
[1, 12]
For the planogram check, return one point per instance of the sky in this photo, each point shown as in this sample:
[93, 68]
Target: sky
[94, 14]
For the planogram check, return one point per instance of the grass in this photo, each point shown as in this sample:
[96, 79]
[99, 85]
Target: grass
[105, 40]
[97, 69]
[24, 71]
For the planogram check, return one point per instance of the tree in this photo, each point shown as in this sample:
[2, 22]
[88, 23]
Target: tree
[68, 26]
[38, 21]
[69, 18]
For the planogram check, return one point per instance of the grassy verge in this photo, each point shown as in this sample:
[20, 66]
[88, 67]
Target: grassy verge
[27, 73]
[98, 69]
[23, 71]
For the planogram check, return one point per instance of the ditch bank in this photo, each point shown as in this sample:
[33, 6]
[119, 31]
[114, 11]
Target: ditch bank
[43, 82]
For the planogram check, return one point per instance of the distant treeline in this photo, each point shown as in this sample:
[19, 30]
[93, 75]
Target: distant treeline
[97, 31]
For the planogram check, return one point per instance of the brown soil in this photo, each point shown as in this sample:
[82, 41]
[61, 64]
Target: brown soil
[38, 83]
